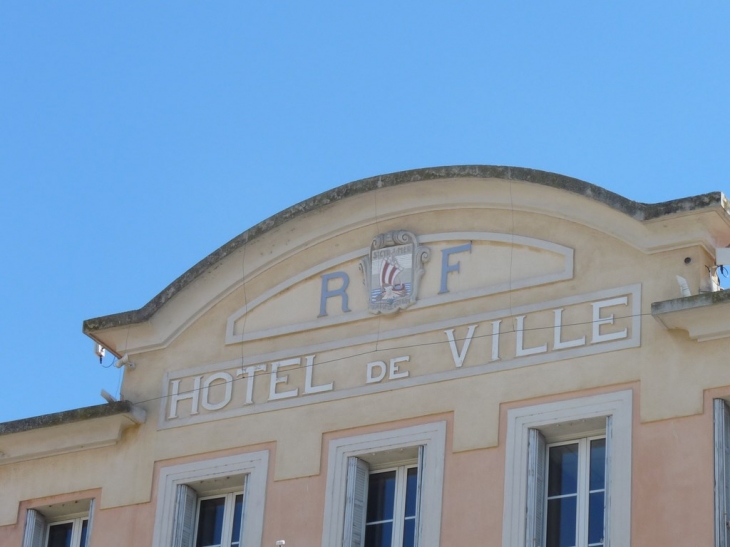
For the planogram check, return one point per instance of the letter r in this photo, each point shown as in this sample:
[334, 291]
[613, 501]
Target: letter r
[327, 293]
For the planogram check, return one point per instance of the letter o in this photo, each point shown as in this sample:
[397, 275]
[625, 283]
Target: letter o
[206, 404]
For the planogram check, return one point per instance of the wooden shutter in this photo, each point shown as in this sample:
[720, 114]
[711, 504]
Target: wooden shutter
[90, 523]
[536, 495]
[356, 501]
[186, 505]
[35, 529]
[722, 469]
[419, 493]
[243, 507]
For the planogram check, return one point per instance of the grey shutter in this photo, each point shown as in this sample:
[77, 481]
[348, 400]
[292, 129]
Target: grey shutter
[722, 468]
[536, 495]
[607, 479]
[35, 529]
[356, 501]
[186, 506]
[419, 493]
[90, 524]
[243, 507]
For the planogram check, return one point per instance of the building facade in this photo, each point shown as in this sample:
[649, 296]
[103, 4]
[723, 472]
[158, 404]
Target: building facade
[467, 355]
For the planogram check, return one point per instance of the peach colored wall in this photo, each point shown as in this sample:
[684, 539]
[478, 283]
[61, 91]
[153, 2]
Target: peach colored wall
[672, 499]
[673, 481]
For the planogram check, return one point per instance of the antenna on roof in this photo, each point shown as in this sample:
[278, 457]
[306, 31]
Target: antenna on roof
[99, 351]
[108, 396]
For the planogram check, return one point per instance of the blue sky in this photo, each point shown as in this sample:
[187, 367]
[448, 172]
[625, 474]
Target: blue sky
[137, 137]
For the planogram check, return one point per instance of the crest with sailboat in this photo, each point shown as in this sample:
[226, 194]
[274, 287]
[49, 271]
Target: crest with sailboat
[392, 269]
[391, 284]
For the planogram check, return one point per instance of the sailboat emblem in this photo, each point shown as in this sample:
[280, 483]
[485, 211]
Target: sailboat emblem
[392, 271]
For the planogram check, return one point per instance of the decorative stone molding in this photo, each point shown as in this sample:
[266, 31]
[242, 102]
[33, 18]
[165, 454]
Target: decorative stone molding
[69, 431]
[705, 316]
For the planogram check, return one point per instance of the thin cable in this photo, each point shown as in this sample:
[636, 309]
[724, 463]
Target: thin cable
[245, 296]
[511, 243]
[409, 346]
[370, 273]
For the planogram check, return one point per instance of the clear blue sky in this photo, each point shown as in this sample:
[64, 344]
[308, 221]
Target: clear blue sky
[137, 137]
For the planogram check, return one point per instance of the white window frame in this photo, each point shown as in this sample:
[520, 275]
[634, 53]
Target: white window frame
[37, 524]
[431, 436]
[399, 509]
[617, 406]
[228, 514]
[583, 488]
[254, 465]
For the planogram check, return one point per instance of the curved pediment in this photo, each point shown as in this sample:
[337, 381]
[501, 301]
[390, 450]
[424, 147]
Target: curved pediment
[360, 207]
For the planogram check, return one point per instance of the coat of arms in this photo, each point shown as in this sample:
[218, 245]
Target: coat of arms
[393, 270]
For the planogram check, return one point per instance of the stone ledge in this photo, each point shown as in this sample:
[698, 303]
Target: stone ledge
[68, 431]
[68, 416]
[705, 316]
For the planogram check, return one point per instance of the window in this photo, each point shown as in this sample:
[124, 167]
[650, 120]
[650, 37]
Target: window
[722, 472]
[383, 503]
[384, 489]
[391, 509]
[576, 493]
[569, 472]
[216, 520]
[60, 525]
[219, 521]
[215, 503]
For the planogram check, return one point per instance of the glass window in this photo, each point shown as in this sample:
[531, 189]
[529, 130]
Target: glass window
[70, 533]
[391, 508]
[576, 491]
[219, 521]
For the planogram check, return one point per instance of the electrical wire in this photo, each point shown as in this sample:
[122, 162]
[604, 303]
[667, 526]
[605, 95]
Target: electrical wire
[409, 346]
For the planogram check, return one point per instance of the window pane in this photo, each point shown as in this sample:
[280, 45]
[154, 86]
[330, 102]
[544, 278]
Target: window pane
[210, 522]
[411, 487]
[596, 511]
[598, 464]
[59, 535]
[238, 511]
[379, 535]
[409, 533]
[84, 532]
[381, 496]
[561, 522]
[563, 470]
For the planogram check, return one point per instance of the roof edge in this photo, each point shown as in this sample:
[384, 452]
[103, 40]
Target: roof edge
[636, 210]
[66, 416]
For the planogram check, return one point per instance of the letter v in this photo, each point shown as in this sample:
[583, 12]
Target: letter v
[459, 356]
